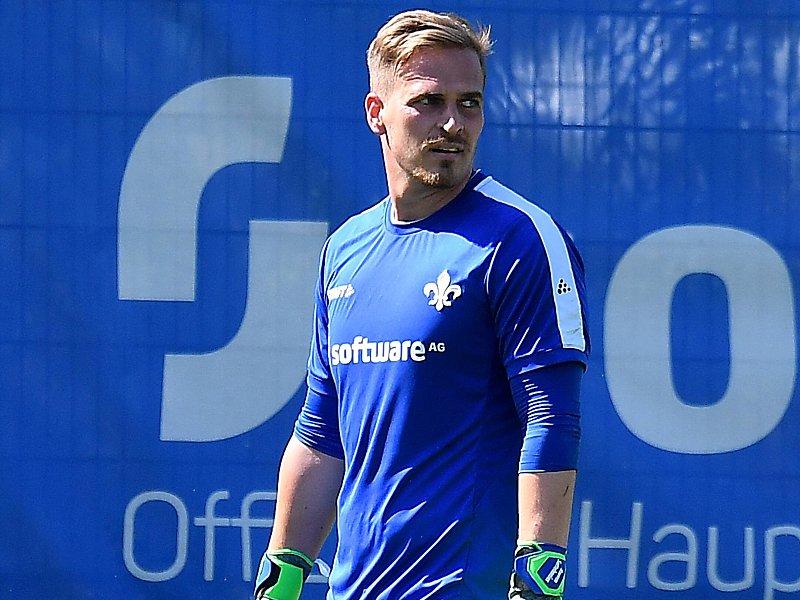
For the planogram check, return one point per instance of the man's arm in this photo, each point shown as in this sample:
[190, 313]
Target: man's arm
[545, 506]
[548, 403]
[308, 485]
[545, 509]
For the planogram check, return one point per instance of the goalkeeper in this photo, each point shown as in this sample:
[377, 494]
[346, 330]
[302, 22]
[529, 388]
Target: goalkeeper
[440, 429]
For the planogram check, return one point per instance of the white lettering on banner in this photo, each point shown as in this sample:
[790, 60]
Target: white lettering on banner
[221, 394]
[770, 571]
[200, 130]
[203, 128]
[689, 558]
[712, 565]
[762, 339]
[210, 522]
[181, 534]
[779, 540]
[632, 545]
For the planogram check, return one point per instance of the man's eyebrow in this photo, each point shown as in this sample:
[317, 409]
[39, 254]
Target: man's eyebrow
[426, 95]
[476, 95]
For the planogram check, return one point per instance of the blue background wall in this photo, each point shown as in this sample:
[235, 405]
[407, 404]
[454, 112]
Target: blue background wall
[153, 152]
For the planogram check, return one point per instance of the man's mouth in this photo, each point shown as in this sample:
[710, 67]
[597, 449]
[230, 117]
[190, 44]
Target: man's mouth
[445, 148]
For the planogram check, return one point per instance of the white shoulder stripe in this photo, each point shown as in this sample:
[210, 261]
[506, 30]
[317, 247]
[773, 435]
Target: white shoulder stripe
[562, 277]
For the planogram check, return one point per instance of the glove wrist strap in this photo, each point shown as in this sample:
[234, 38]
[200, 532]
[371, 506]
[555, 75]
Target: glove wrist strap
[281, 574]
[541, 567]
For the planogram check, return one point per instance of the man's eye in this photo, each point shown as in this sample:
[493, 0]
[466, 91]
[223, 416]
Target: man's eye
[428, 101]
[471, 103]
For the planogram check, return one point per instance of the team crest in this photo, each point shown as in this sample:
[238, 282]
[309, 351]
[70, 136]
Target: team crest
[442, 292]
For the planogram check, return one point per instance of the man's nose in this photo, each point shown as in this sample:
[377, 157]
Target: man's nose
[452, 125]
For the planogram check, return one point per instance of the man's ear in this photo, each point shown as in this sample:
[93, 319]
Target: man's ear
[374, 107]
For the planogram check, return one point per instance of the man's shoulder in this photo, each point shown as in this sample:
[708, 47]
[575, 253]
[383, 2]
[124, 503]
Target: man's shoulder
[358, 224]
[504, 207]
[513, 218]
[503, 199]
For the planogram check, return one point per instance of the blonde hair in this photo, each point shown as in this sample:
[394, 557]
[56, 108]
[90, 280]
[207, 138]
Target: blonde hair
[409, 31]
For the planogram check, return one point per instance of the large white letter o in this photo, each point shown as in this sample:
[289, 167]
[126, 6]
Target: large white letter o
[762, 339]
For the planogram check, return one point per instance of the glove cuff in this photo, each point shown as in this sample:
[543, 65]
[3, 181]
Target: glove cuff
[281, 574]
[541, 567]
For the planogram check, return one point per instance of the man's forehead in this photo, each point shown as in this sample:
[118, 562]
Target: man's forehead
[415, 86]
[438, 59]
[442, 67]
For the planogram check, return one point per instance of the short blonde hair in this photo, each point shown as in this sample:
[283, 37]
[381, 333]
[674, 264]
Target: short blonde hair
[409, 31]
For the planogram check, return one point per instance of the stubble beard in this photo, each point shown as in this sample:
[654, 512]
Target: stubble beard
[447, 176]
[430, 178]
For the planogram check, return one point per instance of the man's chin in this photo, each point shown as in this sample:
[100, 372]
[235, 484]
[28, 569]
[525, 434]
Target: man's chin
[441, 179]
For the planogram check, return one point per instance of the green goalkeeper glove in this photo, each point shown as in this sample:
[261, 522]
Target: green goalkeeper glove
[538, 572]
[281, 575]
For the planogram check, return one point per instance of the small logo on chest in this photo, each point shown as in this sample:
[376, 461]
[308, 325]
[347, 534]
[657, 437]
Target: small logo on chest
[442, 292]
[341, 291]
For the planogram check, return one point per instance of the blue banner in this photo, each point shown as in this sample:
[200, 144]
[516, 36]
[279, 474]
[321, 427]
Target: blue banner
[170, 169]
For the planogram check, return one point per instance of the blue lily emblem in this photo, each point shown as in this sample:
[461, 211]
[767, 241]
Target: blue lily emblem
[442, 293]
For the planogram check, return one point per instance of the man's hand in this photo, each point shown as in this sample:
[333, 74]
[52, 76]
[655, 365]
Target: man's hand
[281, 575]
[539, 572]
[519, 591]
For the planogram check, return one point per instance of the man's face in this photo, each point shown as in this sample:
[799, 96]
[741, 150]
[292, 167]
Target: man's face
[433, 116]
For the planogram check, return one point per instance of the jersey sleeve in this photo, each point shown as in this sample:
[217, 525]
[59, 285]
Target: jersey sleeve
[317, 426]
[537, 291]
[319, 378]
[548, 405]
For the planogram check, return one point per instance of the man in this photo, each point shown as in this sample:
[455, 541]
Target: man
[441, 421]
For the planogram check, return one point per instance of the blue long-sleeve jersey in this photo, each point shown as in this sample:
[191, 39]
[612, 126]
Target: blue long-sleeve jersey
[418, 330]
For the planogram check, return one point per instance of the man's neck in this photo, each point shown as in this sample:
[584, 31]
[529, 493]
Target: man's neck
[416, 200]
